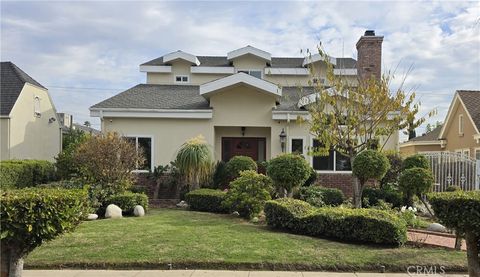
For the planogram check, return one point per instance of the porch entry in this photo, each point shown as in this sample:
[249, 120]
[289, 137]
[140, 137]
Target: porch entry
[254, 148]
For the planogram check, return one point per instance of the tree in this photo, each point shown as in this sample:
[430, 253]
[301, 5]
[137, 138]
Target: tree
[348, 117]
[194, 160]
[370, 165]
[87, 123]
[431, 127]
[65, 164]
[287, 172]
[106, 162]
[415, 181]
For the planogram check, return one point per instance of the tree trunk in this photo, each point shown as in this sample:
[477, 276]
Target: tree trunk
[157, 189]
[458, 241]
[357, 192]
[472, 254]
[11, 263]
[4, 257]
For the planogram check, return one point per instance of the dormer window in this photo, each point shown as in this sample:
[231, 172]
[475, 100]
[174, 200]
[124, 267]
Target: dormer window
[181, 79]
[254, 73]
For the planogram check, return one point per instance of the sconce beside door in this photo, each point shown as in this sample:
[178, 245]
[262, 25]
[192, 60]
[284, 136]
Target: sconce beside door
[283, 139]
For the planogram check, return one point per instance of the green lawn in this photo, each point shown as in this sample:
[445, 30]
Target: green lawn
[203, 240]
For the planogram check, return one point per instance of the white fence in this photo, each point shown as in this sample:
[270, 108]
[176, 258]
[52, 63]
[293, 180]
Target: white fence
[453, 169]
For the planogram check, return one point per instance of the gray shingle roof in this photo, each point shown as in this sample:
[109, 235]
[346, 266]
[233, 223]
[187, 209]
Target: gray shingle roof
[277, 62]
[185, 97]
[471, 99]
[430, 136]
[12, 80]
[146, 96]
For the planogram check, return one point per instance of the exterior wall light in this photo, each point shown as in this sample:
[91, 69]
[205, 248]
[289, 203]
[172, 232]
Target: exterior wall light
[283, 139]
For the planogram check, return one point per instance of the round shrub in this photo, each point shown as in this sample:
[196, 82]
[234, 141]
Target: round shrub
[319, 196]
[415, 181]
[237, 164]
[206, 200]
[248, 193]
[393, 173]
[32, 216]
[416, 161]
[370, 164]
[288, 171]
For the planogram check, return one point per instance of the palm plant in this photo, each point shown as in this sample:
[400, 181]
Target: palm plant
[194, 161]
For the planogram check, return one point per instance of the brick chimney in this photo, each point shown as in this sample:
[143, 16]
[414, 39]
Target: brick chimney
[369, 49]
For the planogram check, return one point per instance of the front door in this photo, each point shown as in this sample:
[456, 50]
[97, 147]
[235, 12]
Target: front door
[251, 147]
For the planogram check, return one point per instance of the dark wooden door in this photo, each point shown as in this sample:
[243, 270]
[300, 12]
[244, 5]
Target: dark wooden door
[241, 147]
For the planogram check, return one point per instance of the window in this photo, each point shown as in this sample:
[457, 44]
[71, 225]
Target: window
[477, 154]
[335, 161]
[254, 73]
[36, 107]
[460, 124]
[466, 152]
[181, 79]
[297, 146]
[143, 143]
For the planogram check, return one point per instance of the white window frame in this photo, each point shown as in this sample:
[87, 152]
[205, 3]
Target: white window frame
[460, 125]
[249, 70]
[181, 77]
[37, 108]
[304, 144]
[152, 166]
[334, 163]
[466, 152]
[477, 150]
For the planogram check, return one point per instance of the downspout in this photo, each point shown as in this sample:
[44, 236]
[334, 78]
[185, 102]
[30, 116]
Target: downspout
[287, 144]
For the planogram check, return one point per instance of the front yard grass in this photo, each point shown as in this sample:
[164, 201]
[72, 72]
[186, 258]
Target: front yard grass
[187, 239]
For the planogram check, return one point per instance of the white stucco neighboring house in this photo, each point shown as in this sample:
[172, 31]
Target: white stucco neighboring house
[240, 103]
[28, 120]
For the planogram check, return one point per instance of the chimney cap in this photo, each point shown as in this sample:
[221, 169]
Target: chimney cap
[370, 33]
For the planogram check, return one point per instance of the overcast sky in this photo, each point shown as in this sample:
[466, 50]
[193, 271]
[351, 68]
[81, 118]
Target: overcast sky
[85, 52]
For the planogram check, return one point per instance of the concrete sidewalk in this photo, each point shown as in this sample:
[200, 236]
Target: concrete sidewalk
[207, 273]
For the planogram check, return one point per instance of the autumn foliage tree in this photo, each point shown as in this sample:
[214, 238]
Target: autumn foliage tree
[349, 116]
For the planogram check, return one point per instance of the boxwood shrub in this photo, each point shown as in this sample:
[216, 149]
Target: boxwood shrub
[388, 195]
[127, 201]
[25, 173]
[237, 164]
[358, 225]
[32, 216]
[320, 196]
[206, 200]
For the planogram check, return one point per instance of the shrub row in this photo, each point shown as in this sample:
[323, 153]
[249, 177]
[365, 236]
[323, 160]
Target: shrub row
[320, 196]
[32, 215]
[206, 200]
[25, 173]
[358, 225]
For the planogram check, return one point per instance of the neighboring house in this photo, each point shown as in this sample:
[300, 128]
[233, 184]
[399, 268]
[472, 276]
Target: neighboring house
[66, 122]
[28, 120]
[241, 103]
[459, 133]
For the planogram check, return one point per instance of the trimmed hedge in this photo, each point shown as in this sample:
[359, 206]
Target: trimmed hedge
[358, 225]
[320, 196]
[390, 196]
[237, 164]
[31, 216]
[127, 201]
[416, 160]
[26, 173]
[206, 200]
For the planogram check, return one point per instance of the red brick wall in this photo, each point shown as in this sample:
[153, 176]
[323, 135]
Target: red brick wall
[341, 181]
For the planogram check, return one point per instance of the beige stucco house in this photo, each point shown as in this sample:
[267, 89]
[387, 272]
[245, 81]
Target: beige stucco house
[28, 122]
[241, 103]
[459, 133]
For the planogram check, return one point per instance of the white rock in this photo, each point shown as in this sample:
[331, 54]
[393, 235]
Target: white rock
[436, 227]
[182, 204]
[138, 211]
[113, 211]
[235, 213]
[92, 216]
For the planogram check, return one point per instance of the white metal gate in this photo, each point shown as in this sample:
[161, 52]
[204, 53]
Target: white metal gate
[454, 169]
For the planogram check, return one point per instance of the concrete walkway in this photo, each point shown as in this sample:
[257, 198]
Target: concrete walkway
[208, 273]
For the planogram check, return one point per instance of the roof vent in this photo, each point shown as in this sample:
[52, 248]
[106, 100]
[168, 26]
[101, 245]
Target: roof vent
[370, 33]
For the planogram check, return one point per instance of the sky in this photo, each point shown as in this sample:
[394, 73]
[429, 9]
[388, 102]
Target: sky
[85, 52]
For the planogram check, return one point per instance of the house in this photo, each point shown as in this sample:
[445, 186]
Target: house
[67, 124]
[28, 120]
[244, 103]
[459, 133]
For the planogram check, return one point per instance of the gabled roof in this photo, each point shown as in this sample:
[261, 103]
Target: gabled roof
[470, 100]
[240, 78]
[317, 57]
[146, 96]
[249, 50]
[430, 136]
[180, 55]
[12, 80]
